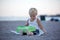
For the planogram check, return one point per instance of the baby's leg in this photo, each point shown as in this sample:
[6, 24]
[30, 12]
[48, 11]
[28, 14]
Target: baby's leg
[29, 33]
[36, 32]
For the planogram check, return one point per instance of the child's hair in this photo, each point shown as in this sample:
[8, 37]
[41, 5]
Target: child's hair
[32, 9]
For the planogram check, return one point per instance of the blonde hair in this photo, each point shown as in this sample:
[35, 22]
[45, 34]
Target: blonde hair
[32, 9]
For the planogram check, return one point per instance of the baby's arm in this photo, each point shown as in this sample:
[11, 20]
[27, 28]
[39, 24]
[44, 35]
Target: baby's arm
[28, 32]
[40, 25]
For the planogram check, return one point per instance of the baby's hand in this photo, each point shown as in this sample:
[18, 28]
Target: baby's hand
[45, 33]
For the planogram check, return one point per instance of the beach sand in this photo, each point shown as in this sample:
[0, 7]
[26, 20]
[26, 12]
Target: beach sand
[53, 29]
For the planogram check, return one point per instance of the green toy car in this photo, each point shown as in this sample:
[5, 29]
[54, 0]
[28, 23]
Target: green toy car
[24, 28]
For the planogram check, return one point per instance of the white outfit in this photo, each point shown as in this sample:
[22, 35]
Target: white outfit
[34, 24]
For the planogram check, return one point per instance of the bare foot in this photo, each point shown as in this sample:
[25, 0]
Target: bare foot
[30, 33]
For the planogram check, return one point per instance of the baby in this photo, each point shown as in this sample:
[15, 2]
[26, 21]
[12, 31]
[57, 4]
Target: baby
[35, 22]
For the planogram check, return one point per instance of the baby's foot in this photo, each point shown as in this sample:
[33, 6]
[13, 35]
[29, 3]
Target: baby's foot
[30, 33]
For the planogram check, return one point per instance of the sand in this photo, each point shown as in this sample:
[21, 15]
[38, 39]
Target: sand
[53, 29]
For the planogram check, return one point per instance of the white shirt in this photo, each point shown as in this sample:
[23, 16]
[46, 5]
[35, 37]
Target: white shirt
[33, 23]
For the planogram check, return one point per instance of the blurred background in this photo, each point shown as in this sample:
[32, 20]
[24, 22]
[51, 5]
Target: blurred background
[19, 9]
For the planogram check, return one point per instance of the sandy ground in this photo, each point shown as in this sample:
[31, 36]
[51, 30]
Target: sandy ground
[53, 29]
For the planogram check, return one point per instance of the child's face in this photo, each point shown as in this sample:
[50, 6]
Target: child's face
[33, 15]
